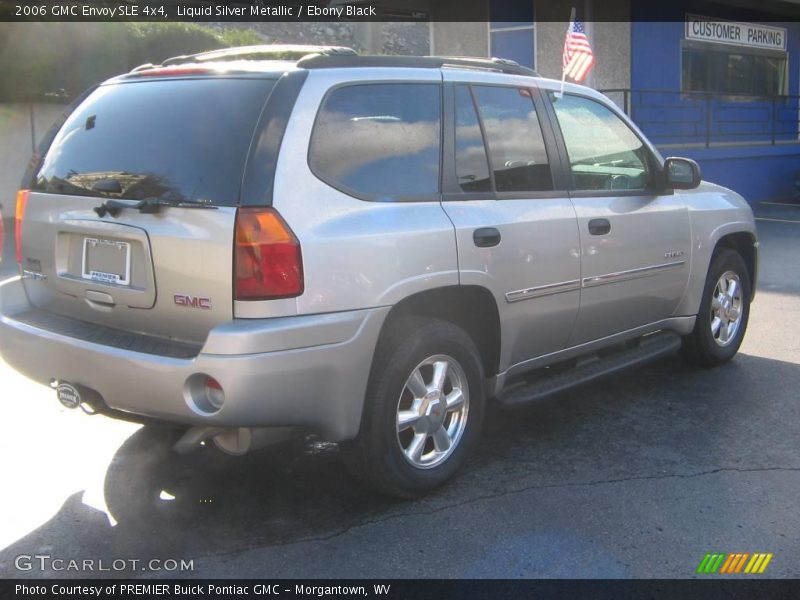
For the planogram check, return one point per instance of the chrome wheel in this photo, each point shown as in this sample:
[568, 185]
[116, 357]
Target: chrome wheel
[432, 411]
[726, 308]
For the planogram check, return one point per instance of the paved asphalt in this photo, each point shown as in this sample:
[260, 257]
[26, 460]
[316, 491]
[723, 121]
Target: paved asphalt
[639, 476]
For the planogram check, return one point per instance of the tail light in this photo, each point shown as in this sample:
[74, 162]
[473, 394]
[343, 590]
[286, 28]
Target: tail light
[267, 259]
[22, 201]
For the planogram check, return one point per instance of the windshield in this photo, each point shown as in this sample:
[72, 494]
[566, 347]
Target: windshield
[175, 140]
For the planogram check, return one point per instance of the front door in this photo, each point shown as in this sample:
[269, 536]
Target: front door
[635, 242]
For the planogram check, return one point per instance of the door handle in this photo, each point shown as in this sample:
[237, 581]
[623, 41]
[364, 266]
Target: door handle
[599, 226]
[486, 237]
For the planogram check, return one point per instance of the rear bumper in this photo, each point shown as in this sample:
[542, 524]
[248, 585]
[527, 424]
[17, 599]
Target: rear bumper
[309, 371]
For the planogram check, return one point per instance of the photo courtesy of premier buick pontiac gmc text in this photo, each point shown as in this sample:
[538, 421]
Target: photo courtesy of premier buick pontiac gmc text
[249, 242]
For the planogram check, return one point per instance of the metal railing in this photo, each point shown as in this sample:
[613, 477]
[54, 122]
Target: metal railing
[670, 117]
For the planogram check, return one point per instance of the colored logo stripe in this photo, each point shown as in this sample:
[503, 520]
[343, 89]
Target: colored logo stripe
[758, 563]
[734, 563]
[714, 562]
[710, 563]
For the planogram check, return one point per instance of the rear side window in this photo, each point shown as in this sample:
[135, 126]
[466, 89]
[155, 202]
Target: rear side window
[517, 150]
[183, 140]
[472, 167]
[379, 141]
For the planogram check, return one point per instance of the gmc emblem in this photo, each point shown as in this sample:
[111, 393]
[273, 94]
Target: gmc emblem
[192, 301]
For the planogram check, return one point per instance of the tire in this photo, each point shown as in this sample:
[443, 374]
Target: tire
[391, 457]
[709, 345]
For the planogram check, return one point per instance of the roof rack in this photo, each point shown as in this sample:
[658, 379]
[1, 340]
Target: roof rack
[261, 52]
[326, 57]
[328, 61]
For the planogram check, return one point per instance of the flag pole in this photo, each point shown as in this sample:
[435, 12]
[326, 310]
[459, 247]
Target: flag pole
[563, 70]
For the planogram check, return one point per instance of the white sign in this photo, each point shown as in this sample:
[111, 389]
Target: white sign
[738, 34]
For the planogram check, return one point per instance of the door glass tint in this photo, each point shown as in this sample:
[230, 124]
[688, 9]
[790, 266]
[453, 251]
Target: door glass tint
[604, 153]
[516, 146]
[380, 141]
[472, 167]
[177, 140]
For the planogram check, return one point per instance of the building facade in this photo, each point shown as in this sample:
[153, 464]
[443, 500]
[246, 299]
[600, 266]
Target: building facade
[717, 82]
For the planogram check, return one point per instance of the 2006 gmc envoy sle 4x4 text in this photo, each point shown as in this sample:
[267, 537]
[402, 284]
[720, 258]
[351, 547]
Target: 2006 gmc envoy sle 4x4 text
[365, 247]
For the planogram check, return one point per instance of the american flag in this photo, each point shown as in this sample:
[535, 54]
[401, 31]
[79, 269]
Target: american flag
[578, 57]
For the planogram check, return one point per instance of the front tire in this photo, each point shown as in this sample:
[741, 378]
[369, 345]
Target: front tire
[423, 410]
[724, 312]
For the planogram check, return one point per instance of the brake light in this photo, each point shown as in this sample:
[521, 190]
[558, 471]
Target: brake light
[173, 71]
[19, 214]
[267, 259]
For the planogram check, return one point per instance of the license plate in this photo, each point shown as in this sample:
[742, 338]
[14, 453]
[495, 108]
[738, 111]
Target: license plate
[106, 261]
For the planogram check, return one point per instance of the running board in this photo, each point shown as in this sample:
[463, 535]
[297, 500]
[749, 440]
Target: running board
[589, 368]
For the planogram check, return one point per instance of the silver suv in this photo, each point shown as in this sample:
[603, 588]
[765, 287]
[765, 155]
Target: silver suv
[366, 247]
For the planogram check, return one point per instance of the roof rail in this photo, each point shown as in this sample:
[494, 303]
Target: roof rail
[261, 52]
[329, 61]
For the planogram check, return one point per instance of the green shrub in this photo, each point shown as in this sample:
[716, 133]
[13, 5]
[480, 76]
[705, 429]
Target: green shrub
[40, 59]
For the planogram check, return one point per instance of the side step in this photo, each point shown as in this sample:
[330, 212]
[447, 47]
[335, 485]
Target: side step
[589, 368]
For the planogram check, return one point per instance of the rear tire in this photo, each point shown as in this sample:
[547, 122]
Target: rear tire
[724, 312]
[423, 410]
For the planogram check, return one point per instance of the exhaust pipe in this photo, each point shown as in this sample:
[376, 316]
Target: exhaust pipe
[235, 441]
[73, 395]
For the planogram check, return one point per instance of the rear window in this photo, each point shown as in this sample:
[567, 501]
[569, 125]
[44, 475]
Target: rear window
[379, 141]
[182, 140]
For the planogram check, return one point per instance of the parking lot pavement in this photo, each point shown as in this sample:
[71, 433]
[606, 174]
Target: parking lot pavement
[638, 476]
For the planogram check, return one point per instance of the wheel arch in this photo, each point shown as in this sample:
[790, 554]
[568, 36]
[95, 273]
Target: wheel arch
[745, 244]
[470, 307]
[738, 235]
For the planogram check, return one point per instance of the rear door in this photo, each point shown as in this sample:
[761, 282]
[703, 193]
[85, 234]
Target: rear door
[90, 254]
[635, 240]
[515, 226]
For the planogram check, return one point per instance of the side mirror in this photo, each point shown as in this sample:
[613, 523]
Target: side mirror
[681, 173]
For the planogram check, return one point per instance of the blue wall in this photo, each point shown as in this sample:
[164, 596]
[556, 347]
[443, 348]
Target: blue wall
[758, 171]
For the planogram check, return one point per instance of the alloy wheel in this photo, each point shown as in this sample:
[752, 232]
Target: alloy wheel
[432, 411]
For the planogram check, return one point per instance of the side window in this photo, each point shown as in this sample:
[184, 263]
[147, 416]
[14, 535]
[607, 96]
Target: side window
[604, 153]
[514, 136]
[379, 140]
[472, 166]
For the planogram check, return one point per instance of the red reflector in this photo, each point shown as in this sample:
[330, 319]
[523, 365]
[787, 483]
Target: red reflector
[268, 262]
[22, 201]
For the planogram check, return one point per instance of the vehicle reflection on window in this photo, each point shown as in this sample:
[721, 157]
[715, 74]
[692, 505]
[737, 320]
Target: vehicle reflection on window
[115, 184]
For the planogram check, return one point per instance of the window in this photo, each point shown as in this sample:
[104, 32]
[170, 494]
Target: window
[381, 141]
[184, 140]
[511, 32]
[604, 153]
[707, 68]
[514, 137]
[472, 166]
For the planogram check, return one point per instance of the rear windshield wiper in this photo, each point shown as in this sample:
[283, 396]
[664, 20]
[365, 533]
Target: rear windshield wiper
[148, 205]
